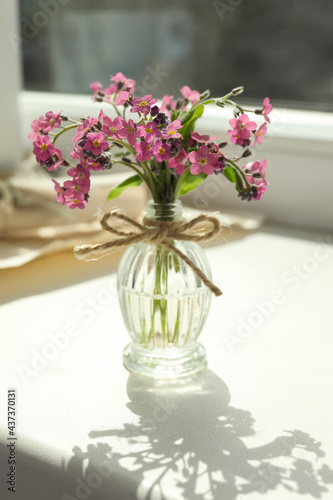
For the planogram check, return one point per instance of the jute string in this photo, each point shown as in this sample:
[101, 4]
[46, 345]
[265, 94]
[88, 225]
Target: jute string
[153, 231]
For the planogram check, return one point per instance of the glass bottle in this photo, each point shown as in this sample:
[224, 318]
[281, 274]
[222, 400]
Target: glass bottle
[163, 303]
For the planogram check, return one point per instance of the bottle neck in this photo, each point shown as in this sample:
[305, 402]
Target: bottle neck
[164, 211]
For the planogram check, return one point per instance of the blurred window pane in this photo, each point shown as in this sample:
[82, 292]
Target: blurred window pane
[277, 48]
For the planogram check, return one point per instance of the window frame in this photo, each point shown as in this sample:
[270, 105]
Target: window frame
[10, 86]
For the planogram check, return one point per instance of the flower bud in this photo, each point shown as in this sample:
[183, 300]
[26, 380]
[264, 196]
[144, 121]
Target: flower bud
[223, 144]
[179, 104]
[246, 153]
[126, 160]
[204, 95]
[237, 91]
[154, 111]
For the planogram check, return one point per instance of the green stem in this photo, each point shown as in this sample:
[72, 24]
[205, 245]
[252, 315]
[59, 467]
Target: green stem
[149, 180]
[62, 131]
[133, 168]
[179, 182]
[122, 143]
[240, 172]
[160, 305]
[73, 121]
[114, 107]
[240, 108]
[177, 324]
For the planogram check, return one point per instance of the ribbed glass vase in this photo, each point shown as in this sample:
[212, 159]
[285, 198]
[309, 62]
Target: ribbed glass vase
[163, 303]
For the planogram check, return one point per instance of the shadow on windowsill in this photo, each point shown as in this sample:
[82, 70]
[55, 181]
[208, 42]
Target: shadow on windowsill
[189, 443]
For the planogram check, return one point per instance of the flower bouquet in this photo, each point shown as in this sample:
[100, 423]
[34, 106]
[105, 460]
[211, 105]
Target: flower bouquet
[164, 280]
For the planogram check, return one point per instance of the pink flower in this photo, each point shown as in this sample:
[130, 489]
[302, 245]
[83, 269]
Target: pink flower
[77, 201]
[37, 129]
[259, 134]
[44, 124]
[43, 148]
[112, 89]
[144, 151]
[202, 161]
[83, 128]
[112, 127]
[202, 138]
[168, 104]
[161, 151]
[143, 104]
[128, 132]
[96, 87]
[241, 132]
[55, 161]
[122, 80]
[76, 190]
[93, 164]
[171, 132]
[52, 120]
[71, 188]
[255, 172]
[60, 192]
[77, 153]
[96, 143]
[123, 96]
[80, 175]
[148, 131]
[179, 162]
[191, 95]
[260, 190]
[266, 109]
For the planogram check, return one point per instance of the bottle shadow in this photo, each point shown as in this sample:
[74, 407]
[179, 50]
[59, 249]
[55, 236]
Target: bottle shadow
[189, 440]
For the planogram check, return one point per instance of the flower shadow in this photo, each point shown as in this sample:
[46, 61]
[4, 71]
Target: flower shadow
[190, 443]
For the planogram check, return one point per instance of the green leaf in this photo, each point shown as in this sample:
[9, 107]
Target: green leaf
[174, 115]
[188, 121]
[234, 176]
[229, 173]
[135, 180]
[189, 182]
[187, 115]
[120, 155]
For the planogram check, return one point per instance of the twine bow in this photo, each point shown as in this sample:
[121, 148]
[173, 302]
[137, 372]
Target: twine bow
[153, 231]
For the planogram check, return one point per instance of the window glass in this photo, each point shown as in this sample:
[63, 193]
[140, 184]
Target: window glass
[277, 48]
